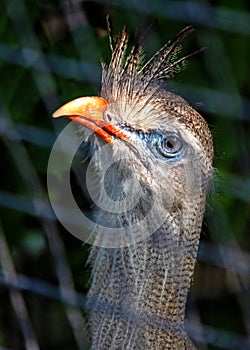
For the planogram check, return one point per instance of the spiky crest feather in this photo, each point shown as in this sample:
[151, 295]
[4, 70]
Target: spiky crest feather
[126, 67]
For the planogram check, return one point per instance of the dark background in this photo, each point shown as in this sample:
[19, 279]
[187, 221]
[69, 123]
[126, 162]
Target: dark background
[50, 53]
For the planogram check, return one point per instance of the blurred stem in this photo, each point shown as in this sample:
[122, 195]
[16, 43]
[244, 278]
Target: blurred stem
[16, 296]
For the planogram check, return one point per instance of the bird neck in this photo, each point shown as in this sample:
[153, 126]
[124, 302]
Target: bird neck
[143, 288]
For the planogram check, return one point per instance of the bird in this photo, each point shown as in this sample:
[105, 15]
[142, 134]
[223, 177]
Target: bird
[159, 152]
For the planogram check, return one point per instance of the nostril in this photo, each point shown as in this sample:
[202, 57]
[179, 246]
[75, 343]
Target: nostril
[108, 117]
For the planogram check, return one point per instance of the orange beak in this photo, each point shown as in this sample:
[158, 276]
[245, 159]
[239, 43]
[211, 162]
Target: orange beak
[89, 112]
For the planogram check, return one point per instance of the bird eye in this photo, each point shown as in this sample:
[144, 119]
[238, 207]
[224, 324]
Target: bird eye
[170, 146]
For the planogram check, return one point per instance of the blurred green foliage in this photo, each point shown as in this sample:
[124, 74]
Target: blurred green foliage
[34, 83]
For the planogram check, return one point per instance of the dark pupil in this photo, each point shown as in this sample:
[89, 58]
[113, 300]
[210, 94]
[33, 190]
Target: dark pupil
[170, 144]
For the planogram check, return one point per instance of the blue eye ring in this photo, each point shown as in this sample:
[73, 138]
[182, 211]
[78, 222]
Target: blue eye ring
[165, 143]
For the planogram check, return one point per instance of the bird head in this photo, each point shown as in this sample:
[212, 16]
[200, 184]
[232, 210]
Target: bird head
[150, 138]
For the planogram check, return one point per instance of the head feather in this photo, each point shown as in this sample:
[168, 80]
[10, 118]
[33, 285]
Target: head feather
[126, 70]
[136, 92]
